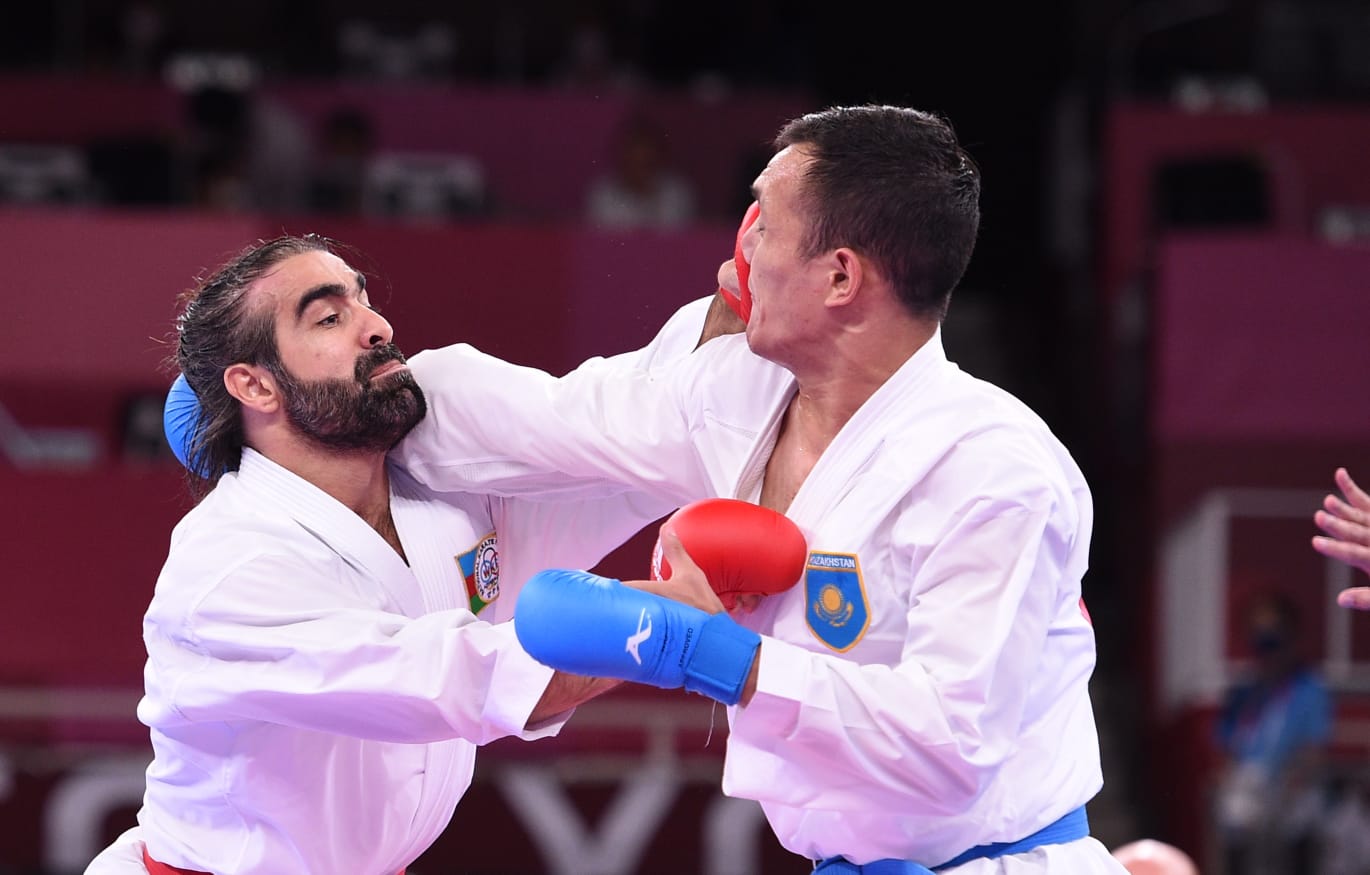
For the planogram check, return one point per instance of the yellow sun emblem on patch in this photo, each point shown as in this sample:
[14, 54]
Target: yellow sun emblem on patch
[836, 609]
[833, 606]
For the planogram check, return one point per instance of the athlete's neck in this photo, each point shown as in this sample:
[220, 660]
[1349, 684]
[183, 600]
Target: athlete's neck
[832, 388]
[360, 481]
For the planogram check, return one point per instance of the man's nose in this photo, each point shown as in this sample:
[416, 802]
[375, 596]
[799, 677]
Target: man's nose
[376, 331]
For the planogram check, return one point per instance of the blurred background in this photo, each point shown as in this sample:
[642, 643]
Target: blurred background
[1174, 271]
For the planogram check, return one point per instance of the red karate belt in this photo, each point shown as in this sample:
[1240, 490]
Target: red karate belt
[155, 868]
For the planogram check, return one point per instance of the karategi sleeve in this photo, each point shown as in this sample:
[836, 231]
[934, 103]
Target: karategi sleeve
[676, 338]
[536, 535]
[283, 641]
[929, 733]
[510, 430]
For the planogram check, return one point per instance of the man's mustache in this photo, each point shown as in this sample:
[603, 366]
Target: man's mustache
[381, 355]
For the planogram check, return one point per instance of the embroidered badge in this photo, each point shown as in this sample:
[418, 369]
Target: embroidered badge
[480, 567]
[835, 597]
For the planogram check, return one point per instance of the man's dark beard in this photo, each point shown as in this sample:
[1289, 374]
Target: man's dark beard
[356, 415]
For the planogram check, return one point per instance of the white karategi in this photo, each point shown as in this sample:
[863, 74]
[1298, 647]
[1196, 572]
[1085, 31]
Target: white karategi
[315, 704]
[923, 690]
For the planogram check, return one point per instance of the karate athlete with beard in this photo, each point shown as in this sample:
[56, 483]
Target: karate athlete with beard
[919, 700]
[317, 681]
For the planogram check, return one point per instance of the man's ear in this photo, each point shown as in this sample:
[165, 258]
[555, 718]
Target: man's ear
[846, 276]
[254, 387]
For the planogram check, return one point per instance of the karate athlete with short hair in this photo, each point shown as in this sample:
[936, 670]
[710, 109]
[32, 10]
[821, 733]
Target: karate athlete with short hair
[325, 649]
[919, 700]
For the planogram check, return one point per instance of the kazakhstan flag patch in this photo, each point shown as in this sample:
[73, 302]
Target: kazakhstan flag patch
[835, 599]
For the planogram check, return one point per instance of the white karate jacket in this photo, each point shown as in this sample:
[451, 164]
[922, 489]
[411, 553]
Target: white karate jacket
[314, 703]
[924, 688]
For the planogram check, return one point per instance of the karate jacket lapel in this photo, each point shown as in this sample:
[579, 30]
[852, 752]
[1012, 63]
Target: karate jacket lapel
[336, 525]
[424, 524]
[905, 402]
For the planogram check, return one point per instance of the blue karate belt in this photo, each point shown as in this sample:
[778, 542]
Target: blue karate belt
[1072, 826]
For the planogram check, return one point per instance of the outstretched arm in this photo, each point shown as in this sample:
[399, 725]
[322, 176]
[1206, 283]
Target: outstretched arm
[578, 622]
[564, 692]
[1346, 521]
[722, 318]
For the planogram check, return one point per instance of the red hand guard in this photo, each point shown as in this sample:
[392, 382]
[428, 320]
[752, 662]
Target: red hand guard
[742, 548]
[742, 302]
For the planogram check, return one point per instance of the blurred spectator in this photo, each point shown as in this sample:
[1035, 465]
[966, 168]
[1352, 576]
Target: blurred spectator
[129, 37]
[217, 148]
[641, 189]
[1346, 829]
[426, 186]
[346, 144]
[1273, 731]
[39, 174]
[144, 37]
[1307, 48]
[369, 50]
[243, 151]
[590, 60]
[278, 151]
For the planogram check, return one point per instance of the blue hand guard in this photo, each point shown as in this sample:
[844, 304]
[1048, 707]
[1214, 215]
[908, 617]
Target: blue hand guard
[179, 418]
[585, 624]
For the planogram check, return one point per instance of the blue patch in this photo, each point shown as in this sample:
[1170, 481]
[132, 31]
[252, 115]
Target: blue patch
[835, 599]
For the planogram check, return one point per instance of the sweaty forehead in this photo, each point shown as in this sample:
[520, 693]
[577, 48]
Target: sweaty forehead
[784, 174]
[282, 285]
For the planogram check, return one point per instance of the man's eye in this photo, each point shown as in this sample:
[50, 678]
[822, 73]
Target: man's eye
[331, 319]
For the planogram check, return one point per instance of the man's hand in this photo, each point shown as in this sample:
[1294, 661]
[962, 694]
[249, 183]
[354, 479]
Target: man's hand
[745, 550]
[721, 319]
[583, 624]
[1347, 524]
[687, 583]
[564, 692]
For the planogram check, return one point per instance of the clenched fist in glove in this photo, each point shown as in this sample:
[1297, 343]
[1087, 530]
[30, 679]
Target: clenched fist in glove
[596, 626]
[742, 548]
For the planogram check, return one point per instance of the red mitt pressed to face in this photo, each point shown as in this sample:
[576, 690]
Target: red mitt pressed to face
[742, 301]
